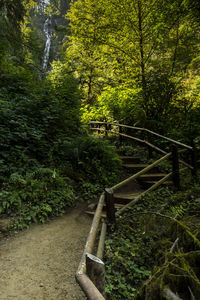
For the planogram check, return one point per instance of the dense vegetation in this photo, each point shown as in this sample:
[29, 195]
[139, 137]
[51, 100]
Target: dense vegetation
[46, 159]
[142, 246]
[138, 62]
[131, 61]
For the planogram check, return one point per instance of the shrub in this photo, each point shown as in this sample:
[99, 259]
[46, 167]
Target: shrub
[36, 196]
[118, 103]
[91, 159]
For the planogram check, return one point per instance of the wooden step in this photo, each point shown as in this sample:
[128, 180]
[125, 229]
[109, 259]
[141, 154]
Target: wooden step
[134, 166]
[89, 212]
[148, 183]
[103, 214]
[118, 205]
[139, 167]
[124, 198]
[151, 176]
[129, 159]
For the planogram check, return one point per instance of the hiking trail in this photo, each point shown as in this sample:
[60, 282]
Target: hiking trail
[40, 263]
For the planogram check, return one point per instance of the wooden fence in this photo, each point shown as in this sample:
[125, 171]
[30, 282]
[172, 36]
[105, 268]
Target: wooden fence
[91, 271]
[148, 135]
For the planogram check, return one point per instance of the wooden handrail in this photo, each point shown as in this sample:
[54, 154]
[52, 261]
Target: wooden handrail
[132, 138]
[82, 275]
[84, 281]
[88, 287]
[144, 141]
[92, 234]
[153, 187]
[143, 171]
[100, 249]
[146, 130]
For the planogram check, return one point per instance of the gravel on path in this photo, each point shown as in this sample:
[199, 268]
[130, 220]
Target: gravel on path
[40, 263]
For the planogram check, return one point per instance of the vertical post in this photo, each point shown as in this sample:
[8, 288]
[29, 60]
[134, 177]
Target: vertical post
[99, 126]
[175, 167]
[95, 270]
[120, 136]
[150, 152]
[106, 127]
[110, 207]
[91, 126]
[193, 160]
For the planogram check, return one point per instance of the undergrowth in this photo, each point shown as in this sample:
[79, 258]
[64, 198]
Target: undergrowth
[35, 197]
[80, 168]
[139, 257]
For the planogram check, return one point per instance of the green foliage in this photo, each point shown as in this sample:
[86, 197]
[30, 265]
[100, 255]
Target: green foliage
[33, 118]
[130, 250]
[88, 190]
[141, 246]
[126, 267]
[35, 196]
[87, 158]
[119, 103]
[97, 160]
[137, 61]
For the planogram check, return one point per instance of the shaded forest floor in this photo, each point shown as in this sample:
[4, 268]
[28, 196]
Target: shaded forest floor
[40, 263]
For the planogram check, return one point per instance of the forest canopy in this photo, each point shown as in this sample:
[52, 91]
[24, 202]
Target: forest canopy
[64, 63]
[131, 61]
[148, 45]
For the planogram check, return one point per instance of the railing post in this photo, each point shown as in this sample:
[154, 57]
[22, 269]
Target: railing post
[175, 167]
[91, 126]
[120, 136]
[193, 160]
[110, 207]
[99, 126]
[150, 152]
[106, 128]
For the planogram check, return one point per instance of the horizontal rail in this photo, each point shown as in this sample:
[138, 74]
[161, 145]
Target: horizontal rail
[186, 164]
[84, 281]
[169, 140]
[132, 138]
[117, 124]
[143, 141]
[88, 287]
[153, 187]
[146, 130]
[92, 234]
[143, 171]
[100, 249]
[155, 148]
[122, 134]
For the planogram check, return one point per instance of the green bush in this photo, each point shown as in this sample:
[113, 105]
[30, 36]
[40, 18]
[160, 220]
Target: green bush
[118, 103]
[36, 196]
[97, 160]
[91, 159]
[32, 118]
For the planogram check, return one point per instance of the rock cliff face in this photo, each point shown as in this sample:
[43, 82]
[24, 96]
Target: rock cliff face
[49, 20]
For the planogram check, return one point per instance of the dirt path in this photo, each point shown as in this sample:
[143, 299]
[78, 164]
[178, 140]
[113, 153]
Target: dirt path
[40, 263]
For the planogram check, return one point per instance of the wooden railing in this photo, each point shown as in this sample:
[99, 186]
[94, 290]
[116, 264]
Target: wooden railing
[91, 271]
[90, 277]
[120, 126]
[171, 144]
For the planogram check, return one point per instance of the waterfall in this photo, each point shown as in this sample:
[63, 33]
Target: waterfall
[42, 5]
[48, 31]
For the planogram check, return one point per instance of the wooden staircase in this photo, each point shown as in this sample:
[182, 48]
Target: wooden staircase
[133, 189]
